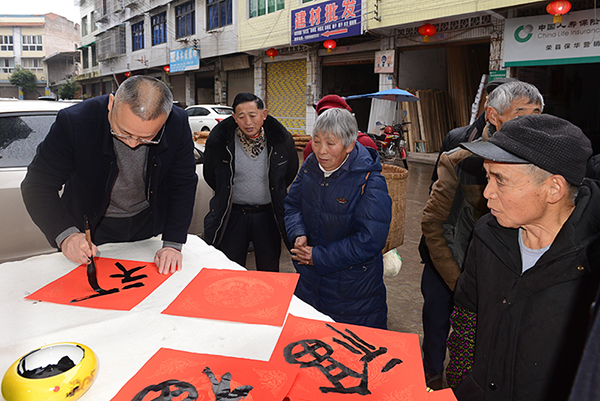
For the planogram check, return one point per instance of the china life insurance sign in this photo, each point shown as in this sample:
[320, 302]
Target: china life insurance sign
[327, 20]
[537, 41]
[184, 60]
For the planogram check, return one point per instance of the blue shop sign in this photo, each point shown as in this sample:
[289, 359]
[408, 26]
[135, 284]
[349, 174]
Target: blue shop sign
[328, 20]
[184, 60]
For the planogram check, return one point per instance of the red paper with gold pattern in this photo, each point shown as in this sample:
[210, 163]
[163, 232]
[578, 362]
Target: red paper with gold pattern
[236, 295]
[179, 371]
[128, 282]
[362, 363]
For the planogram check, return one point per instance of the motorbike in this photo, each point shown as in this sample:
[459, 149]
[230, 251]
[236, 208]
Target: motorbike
[391, 142]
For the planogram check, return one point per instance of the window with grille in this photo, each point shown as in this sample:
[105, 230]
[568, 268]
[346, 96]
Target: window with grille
[219, 13]
[7, 65]
[32, 64]
[94, 20]
[85, 57]
[262, 7]
[6, 43]
[84, 26]
[159, 28]
[185, 20]
[32, 43]
[94, 58]
[137, 35]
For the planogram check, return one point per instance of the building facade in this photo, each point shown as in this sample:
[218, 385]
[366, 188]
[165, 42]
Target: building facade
[43, 44]
[210, 50]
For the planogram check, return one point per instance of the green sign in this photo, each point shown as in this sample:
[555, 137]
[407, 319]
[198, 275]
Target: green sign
[497, 74]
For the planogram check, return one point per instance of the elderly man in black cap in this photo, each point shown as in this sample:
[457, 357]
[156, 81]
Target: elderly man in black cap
[531, 272]
[455, 204]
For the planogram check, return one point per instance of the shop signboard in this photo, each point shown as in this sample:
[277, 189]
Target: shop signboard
[184, 60]
[497, 74]
[384, 62]
[532, 41]
[331, 19]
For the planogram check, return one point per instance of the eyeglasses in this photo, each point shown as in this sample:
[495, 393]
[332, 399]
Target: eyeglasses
[140, 140]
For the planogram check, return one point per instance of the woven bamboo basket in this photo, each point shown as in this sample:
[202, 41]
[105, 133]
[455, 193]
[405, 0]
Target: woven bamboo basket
[396, 176]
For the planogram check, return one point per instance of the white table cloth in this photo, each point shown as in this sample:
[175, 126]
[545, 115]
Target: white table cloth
[124, 340]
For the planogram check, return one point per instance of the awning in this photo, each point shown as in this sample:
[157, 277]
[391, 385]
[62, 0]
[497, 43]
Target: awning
[85, 46]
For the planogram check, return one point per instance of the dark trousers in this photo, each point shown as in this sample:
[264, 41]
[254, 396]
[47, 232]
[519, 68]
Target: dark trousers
[438, 303]
[125, 229]
[260, 227]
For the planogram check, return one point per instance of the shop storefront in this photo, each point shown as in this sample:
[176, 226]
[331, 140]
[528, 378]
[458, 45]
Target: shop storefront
[563, 61]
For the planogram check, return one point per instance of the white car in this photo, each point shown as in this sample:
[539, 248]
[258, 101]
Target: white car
[23, 125]
[203, 117]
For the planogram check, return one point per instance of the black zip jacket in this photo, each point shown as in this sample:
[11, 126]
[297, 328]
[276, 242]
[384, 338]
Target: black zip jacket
[219, 170]
[78, 153]
[531, 326]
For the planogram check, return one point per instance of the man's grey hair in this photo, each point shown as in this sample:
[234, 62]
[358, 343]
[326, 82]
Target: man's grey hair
[539, 175]
[501, 98]
[339, 123]
[147, 97]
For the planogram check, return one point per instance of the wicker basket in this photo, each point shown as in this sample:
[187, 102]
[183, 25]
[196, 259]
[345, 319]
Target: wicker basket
[396, 176]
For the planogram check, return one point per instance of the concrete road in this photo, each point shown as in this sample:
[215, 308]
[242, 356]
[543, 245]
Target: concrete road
[404, 290]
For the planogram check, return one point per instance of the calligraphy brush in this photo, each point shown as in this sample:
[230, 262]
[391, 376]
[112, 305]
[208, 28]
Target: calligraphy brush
[91, 267]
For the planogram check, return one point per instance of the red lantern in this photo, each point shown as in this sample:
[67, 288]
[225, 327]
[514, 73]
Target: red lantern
[272, 52]
[167, 68]
[558, 9]
[329, 44]
[127, 74]
[427, 30]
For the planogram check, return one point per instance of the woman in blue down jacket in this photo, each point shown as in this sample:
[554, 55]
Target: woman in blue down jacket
[337, 215]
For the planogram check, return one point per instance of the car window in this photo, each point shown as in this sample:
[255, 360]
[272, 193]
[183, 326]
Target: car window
[201, 111]
[20, 136]
[223, 110]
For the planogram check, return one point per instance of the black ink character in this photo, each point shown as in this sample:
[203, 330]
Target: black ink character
[128, 276]
[169, 390]
[222, 389]
[317, 353]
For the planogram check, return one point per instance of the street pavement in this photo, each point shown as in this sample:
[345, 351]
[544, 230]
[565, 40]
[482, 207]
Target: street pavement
[404, 290]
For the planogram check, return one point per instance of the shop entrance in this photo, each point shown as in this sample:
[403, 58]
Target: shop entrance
[353, 79]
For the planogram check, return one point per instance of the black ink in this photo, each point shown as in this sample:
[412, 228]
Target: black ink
[134, 285]
[358, 343]
[65, 363]
[391, 363]
[128, 274]
[317, 353]
[222, 389]
[321, 352]
[168, 391]
[104, 292]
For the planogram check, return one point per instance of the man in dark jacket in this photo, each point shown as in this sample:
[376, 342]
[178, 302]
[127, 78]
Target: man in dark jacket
[249, 162]
[127, 163]
[531, 273]
[456, 198]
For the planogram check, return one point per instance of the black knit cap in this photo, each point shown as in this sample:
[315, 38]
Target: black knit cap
[549, 142]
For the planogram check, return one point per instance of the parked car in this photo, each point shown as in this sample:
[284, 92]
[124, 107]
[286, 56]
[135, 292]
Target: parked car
[204, 117]
[23, 125]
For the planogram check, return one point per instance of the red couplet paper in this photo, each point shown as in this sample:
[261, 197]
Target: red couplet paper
[127, 283]
[343, 362]
[236, 295]
[181, 374]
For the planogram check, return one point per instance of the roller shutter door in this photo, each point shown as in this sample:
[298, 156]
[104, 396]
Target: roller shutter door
[286, 85]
